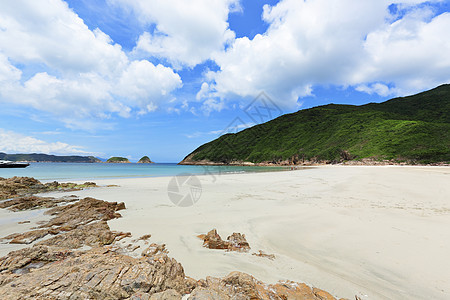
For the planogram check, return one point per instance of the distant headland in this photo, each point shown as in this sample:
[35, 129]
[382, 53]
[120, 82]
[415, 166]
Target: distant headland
[39, 157]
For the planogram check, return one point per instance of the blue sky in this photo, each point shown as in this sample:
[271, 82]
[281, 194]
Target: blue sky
[160, 78]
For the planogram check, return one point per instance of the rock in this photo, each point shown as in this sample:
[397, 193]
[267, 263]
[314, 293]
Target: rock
[202, 293]
[140, 296]
[262, 254]
[26, 237]
[322, 295]
[235, 242]
[75, 225]
[239, 285]
[20, 259]
[169, 294]
[21, 186]
[97, 273]
[82, 212]
[154, 250]
[212, 240]
[34, 202]
[95, 235]
[15, 186]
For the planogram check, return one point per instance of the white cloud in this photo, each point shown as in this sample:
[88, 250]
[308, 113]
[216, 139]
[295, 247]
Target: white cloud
[12, 142]
[335, 42]
[71, 71]
[186, 32]
[411, 52]
[145, 84]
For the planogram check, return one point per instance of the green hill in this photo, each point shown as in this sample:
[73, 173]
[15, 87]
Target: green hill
[118, 160]
[145, 160]
[39, 157]
[415, 129]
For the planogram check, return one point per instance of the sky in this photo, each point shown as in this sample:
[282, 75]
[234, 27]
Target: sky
[162, 77]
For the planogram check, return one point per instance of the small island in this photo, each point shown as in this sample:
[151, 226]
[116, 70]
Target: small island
[145, 160]
[118, 160]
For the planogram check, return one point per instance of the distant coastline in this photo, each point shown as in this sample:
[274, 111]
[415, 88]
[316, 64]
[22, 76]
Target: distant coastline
[362, 162]
[40, 157]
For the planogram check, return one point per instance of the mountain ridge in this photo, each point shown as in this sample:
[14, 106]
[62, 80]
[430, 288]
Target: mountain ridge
[40, 157]
[413, 129]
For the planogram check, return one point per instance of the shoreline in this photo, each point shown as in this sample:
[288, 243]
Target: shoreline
[314, 163]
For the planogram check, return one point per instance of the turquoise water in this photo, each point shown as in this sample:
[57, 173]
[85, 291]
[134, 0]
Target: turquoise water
[86, 171]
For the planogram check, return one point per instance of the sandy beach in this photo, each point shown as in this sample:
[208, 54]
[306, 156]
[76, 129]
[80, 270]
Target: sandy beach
[375, 232]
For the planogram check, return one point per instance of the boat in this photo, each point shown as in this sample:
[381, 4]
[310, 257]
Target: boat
[12, 164]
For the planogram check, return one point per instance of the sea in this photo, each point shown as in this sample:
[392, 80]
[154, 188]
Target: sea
[90, 171]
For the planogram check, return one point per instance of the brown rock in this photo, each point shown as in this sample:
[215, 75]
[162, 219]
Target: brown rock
[26, 237]
[235, 242]
[155, 249]
[21, 186]
[83, 212]
[20, 259]
[239, 285]
[95, 235]
[212, 240]
[69, 224]
[169, 294]
[262, 254]
[322, 295]
[34, 202]
[97, 273]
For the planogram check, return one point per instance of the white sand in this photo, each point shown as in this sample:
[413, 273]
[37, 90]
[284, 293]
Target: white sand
[376, 232]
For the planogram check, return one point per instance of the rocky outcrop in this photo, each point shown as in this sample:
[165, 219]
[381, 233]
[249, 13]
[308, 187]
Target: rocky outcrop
[145, 160]
[235, 242]
[22, 186]
[34, 202]
[239, 285]
[100, 273]
[74, 225]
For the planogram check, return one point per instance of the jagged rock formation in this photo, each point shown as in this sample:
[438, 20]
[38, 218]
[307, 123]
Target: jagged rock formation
[74, 225]
[145, 160]
[239, 285]
[235, 242]
[100, 273]
[21, 186]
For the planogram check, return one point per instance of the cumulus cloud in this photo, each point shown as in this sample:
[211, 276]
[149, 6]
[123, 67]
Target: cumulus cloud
[185, 33]
[142, 78]
[12, 142]
[71, 71]
[335, 42]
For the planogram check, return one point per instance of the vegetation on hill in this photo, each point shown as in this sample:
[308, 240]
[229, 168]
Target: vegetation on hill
[145, 160]
[117, 159]
[38, 157]
[412, 129]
